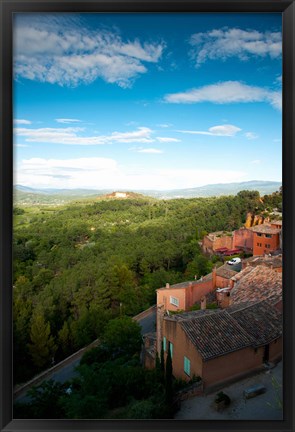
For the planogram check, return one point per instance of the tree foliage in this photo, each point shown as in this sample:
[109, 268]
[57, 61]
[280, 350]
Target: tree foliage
[84, 264]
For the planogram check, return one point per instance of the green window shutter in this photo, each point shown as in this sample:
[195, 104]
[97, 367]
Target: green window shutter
[164, 343]
[171, 349]
[187, 366]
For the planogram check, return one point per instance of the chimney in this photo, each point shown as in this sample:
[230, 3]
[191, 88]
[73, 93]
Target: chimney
[203, 303]
[167, 285]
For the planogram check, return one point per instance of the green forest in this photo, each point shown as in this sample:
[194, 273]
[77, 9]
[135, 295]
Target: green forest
[80, 266]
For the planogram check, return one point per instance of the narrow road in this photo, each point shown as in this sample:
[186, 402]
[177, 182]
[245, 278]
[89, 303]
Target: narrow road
[148, 324]
[67, 371]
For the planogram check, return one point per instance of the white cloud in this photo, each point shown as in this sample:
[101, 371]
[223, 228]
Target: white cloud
[145, 150]
[227, 92]
[21, 122]
[150, 150]
[142, 134]
[64, 52]
[251, 135]
[256, 162]
[67, 120]
[222, 130]
[21, 145]
[234, 42]
[105, 173]
[72, 136]
[70, 173]
[167, 139]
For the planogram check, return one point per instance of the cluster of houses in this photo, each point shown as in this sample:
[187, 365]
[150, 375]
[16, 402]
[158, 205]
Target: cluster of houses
[257, 240]
[237, 327]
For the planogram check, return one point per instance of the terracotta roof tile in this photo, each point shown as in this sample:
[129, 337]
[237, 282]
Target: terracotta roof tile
[274, 261]
[261, 321]
[215, 334]
[187, 284]
[256, 284]
[218, 332]
[225, 271]
[266, 229]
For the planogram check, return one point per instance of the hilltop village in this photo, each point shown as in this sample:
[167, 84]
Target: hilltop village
[150, 298]
[226, 324]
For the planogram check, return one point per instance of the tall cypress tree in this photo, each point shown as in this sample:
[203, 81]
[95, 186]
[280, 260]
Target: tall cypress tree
[168, 378]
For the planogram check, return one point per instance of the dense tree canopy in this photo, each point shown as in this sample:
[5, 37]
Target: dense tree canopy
[76, 267]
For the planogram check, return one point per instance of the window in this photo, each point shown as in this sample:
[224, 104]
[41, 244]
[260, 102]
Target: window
[259, 244]
[187, 366]
[268, 235]
[164, 343]
[267, 246]
[174, 301]
[259, 234]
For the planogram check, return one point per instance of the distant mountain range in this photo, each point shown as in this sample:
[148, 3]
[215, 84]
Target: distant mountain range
[27, 195]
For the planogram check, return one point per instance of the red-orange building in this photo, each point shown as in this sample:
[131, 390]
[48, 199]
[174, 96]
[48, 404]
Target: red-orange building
[223, 345]
[182, 296]
[217, 240]
[266, 239]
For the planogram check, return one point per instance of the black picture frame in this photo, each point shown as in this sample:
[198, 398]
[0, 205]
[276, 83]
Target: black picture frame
[7, 9]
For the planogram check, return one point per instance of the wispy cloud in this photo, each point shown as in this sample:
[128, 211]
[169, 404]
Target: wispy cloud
[256, 161]
[222, 130]
[150, 150]
[227, 92]
[21, 122]
[67, 120]
[167, 139]
[251, 135]
[63, 52]
[234, 42]
[70, 172]
[73, 136]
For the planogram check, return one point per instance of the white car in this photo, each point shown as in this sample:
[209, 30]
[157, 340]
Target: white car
[234, 261]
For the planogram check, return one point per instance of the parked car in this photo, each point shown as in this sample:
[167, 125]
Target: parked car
[234, 261]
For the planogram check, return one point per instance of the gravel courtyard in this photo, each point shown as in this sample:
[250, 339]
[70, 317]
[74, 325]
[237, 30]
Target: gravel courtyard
[262, 407]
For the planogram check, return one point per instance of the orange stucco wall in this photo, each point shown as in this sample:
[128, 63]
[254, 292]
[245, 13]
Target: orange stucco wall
[199, 290]
[186, 296]
[210, 246]
[231, 366]
[221, 282]
[182, 346]
[220, 369]
[163, 296]
[274, 243]
[243, 238]
[275, 350]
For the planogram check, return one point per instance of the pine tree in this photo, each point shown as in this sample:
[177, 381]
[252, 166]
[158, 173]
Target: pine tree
[42, 347]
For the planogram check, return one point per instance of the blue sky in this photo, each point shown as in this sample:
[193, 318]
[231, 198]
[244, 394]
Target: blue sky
[146, 101]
